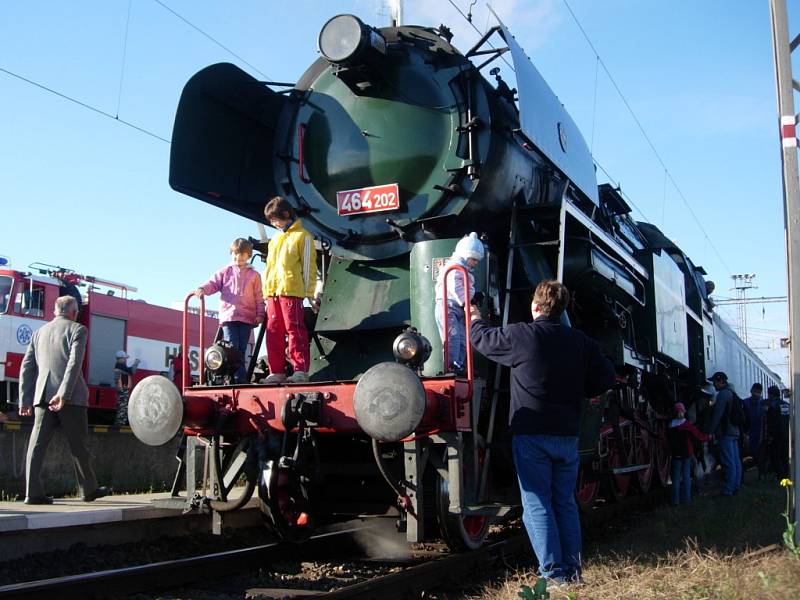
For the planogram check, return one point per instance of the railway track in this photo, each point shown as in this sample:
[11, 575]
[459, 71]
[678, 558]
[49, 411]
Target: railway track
[412, 581]
[430, 572]
[116, 583]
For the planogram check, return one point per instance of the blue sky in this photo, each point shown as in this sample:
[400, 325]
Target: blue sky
[84, 191]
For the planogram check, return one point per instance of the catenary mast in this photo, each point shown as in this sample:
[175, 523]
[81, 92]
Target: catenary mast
[783, 49]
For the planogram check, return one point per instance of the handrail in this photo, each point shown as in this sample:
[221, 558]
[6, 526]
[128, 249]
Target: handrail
[186, 374]
[301, 132]
[467, 321]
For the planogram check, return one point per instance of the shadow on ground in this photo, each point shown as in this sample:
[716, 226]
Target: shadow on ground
[750, 519]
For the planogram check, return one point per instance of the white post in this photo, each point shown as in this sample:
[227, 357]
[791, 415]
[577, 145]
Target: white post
[395, 13]
[787, 121]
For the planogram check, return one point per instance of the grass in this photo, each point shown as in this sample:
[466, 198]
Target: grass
[716, 548]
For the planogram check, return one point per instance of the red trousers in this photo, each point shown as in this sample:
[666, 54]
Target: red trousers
[285, 319]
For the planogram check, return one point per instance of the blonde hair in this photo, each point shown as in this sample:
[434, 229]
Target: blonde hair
[241, 246]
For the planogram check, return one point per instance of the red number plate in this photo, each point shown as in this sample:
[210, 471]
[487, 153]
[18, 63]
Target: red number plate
[369, 199]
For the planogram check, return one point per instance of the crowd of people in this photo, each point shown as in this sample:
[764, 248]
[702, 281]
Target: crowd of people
[553, 367]
[728, 429]
[754, 426]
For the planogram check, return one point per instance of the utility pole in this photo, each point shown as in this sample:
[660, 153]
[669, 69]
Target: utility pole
[742, 283]
[787, 123]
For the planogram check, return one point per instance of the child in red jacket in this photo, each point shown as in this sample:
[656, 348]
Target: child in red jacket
[680, 435]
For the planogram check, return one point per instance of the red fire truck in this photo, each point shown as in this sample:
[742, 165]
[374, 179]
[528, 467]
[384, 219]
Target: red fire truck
[115, 322]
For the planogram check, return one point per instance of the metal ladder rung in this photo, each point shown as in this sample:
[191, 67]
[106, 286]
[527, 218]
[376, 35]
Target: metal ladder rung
[543, 243]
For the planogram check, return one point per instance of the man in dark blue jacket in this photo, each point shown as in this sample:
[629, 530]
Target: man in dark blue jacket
[726, 434]
[755, 409]
[553, 367]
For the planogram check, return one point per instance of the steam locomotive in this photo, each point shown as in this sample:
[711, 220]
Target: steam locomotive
[391, 146]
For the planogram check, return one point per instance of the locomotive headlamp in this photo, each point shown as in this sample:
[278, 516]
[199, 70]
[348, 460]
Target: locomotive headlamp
[407, 349]
[411, 348]
[215, 358]
[221, 361]
[345, 39]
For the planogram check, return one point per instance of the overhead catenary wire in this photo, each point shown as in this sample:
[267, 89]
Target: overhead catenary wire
[667, 173]
[210, 37]
[115, 117]
[83, 104]
[594, 105]
[646, 137]
[124, 56]
[618, 186]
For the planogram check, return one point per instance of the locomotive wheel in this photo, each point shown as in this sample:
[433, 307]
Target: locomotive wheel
[460, 532]
[662, 456]
[284, 503]
[586, 489]
[618, 485]
[645, 455]
[230, 465]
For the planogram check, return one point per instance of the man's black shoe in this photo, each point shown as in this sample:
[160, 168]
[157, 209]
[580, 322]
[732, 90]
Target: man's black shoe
[39, 500]
[98, 493]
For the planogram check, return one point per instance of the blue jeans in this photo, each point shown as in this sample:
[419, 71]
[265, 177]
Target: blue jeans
[729, 457]
[681, 480]
[238, 334]
[456, 335]
[547, 469]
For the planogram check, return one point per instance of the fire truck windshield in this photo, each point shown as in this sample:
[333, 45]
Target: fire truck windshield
[5, 292]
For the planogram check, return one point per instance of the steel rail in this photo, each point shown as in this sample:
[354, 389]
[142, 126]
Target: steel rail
[174, 573]
[411, 582]
[408, 583]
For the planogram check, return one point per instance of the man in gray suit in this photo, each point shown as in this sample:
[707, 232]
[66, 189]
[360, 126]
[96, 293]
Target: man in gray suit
[53, 389]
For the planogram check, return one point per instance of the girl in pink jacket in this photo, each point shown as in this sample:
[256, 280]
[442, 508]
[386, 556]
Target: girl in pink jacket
[241, 300]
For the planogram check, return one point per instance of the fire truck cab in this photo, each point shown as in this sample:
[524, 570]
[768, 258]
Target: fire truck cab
[146, 332]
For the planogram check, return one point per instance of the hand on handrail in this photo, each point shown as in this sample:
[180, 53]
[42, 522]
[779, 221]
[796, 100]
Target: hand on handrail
[474, 313]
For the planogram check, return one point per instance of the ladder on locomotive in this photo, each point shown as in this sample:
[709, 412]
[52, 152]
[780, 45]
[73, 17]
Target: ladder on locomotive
[512, 249]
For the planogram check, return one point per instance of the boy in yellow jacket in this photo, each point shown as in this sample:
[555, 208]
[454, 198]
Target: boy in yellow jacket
[290, 277]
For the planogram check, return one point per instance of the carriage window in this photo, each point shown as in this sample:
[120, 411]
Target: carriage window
[30, 301]
[5, 292]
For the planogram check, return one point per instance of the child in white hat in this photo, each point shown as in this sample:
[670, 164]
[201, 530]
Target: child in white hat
[468, 253]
